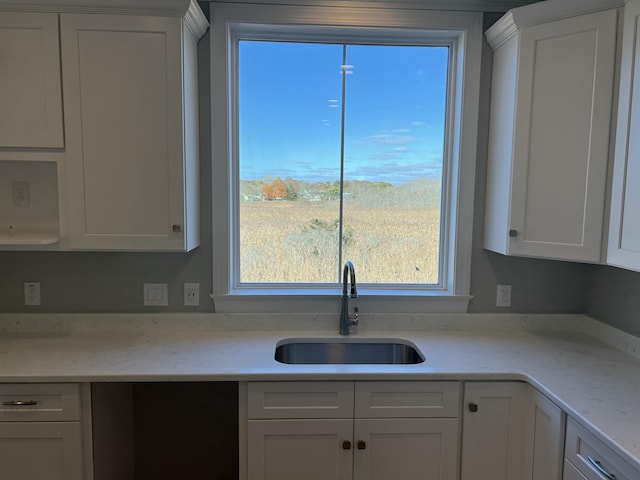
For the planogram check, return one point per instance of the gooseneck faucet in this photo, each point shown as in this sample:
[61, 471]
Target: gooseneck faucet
[346, 320]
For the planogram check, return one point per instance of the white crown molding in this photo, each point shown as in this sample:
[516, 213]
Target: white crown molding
[195, 20]
[546, 11]
[169, 8]
[451, 5]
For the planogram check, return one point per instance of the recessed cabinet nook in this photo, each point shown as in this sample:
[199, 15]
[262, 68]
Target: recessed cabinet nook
[99, 127]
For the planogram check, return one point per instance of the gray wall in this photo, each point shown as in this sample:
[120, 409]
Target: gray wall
[613, 296]
[112, 282]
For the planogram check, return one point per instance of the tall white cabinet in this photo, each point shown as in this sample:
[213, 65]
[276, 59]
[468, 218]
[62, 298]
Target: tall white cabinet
[551, 103]
[131, 115]
[624, 227]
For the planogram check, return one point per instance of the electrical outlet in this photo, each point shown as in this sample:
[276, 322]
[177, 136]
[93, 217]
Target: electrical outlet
[192, 294]
[32, 293]
[155, 295]
[503, 296]
[20, 194]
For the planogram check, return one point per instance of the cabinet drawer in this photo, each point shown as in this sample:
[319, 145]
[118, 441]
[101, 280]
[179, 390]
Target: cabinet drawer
[300, 400]
[407, 399]
[39, 402]
[592, 457]
[571, 473]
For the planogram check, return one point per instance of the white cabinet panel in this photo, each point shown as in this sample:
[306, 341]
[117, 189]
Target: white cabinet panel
[35, 451]
[125, 119]
[624, 226]
[407, 448]
[551, 103]
[300, 400]
[545, 445]
[30, 89]
[407, 399]
[494, 431]
[300, 449]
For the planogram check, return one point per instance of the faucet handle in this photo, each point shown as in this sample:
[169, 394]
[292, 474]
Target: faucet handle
[354, 318]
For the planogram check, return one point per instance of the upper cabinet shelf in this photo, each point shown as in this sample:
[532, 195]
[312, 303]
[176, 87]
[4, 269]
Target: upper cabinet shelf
[551, 104]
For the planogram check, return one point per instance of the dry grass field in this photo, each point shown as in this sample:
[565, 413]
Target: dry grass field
[297, 241]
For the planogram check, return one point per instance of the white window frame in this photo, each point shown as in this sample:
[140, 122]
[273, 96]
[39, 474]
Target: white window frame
[462, 31]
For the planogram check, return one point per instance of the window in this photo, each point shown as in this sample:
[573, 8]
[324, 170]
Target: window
[339, 134]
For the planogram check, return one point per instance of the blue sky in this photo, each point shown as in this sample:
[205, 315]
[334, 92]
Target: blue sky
[291, 102]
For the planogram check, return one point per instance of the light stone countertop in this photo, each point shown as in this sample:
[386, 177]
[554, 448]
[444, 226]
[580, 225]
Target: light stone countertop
[596, 384]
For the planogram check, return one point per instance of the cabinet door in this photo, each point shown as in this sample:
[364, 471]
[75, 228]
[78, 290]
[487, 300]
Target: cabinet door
[34, 451]
[407, 448]
[546, 438]
[561, 139]
[300, 449]
[123, 106]
[30, 91]
[624, 227]
[494, 431]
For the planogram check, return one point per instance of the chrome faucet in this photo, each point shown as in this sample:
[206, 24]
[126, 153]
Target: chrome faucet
[346, 320]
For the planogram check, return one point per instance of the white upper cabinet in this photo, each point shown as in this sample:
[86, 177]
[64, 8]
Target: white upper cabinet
[131, 108]
[551, 104]
[624, 226]
[30, 90]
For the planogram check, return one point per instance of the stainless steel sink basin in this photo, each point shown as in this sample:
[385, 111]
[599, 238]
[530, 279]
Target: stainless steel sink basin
[352, 351]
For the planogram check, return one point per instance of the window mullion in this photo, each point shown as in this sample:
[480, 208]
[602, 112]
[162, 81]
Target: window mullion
[343, 69]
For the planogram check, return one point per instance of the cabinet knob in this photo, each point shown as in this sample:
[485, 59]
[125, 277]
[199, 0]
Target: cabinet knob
[346, 445]
[362, 444]
[473, 407]
[177, 228]
[513, 233]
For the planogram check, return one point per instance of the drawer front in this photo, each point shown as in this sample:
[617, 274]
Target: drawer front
[407, 399]
[571, 473]
[39, 402]
[300, 400]
[593, 458]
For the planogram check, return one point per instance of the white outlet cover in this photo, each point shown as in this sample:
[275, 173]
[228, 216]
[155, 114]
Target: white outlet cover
[192, 294]
[503, 296]
[32, 293]
[155, 295]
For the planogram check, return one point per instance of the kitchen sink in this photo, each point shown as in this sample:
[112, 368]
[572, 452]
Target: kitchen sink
[347, 352]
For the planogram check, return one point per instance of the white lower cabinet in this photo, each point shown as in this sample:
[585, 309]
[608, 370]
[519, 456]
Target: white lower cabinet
[41, 434]
[38, 450]
[587, 458]
[545, 440]
[407, 448]
[494, 430]
[414, 441]
[510, 432]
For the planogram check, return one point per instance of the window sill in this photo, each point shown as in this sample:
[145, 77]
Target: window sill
[329, 301]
